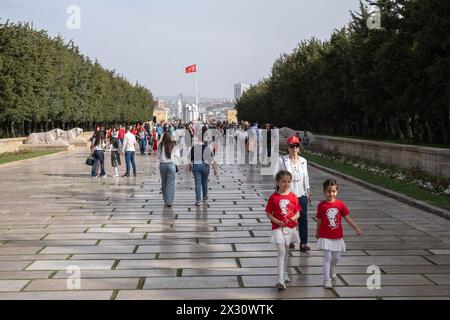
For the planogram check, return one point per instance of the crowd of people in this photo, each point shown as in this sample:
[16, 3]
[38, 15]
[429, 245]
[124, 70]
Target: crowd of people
[287, 207]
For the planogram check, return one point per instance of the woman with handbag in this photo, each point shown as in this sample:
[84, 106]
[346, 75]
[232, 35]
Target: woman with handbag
[298, 167]
[98, 153]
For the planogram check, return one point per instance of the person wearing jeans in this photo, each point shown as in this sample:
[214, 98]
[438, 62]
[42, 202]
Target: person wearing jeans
[98, 153]
[142, 134]
[201, 159]
[201, 174]
[167, 155]
[298, 167]
[129, 142]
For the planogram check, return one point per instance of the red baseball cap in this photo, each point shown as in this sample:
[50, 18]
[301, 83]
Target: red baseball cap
[293, 140]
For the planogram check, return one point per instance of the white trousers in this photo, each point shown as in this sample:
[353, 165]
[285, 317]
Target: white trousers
[282, 261]
[330, 259]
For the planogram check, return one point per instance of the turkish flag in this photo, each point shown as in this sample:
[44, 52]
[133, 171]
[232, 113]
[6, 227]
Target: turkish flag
[192, 68]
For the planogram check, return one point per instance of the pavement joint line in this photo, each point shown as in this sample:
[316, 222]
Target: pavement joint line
[238, 262]
[69, 257]
[97, 243]
[431, 280]
[240, 281]
[40, 250]
[114, 294]
[51, 275]
[140, 284]
[26, 285]
[42, 238]
[29, 264]
[426, 258]
[179, 273]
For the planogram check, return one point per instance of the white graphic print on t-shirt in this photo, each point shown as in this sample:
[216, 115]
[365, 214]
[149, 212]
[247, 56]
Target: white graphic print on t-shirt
[332, 220]
[284, 205]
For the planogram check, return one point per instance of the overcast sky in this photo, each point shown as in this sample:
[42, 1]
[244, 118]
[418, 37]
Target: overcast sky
[152, 41]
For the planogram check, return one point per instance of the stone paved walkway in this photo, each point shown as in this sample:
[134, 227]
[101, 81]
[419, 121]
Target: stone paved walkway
[52, 215]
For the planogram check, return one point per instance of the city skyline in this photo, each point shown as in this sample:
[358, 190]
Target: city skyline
[152, 43]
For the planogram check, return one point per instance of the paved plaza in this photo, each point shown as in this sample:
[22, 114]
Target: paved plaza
[128, 246]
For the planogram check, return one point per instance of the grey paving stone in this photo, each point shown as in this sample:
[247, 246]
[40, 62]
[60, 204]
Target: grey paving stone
[389, 280]
[184, 248]
[85, 284]
[63, 265]
[86, 274]
[58, 295]
[87, 249]
[13, 265]
[23, 275]
[12, 285]
[191, 282]
[394, 291]
[232, 271]
[296, 281]
[234, 293]
[347, 261]
[177, 263]
[440, 279]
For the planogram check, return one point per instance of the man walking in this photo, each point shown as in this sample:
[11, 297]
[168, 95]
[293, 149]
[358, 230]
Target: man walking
[129, 142]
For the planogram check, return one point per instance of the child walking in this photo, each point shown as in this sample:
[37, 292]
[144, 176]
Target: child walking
[329, 230]
[115, 156]
[283, 210]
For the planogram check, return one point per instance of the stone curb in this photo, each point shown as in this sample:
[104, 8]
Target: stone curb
[392, 194]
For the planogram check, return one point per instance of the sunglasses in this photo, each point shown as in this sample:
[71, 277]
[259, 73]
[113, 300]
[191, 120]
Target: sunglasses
[292, 146]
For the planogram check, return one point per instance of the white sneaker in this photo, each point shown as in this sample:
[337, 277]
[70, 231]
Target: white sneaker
[115, 175]
[286, 278]
[281, 286]
[327, 284]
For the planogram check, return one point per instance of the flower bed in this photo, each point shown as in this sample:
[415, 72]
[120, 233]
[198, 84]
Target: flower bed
[418, 177]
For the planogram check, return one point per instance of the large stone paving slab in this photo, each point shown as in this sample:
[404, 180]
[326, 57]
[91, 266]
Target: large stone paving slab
[128, 246]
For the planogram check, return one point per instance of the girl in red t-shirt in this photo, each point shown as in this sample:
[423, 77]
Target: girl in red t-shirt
[283, 209]
[329, 230]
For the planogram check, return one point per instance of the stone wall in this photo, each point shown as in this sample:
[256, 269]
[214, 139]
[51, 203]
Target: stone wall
[433, 160]
[11, 145]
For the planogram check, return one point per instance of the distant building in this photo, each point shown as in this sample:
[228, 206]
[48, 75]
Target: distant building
[161, 104]
[180, 106]
[161, 115]
[239, 89]
[232, 115]
[190, 112]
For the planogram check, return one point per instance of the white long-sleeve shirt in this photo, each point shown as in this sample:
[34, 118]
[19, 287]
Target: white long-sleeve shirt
[129, 142]
[300, 178]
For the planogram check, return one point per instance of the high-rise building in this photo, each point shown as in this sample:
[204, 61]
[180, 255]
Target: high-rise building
[239, 89]
[180, 106]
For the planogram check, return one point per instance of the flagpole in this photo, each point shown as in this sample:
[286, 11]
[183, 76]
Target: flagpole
[196, 87]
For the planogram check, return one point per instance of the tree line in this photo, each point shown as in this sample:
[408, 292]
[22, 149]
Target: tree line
[46, 83]
[391, 83]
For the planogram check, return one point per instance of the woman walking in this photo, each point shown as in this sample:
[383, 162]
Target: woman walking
[298, 167]
[167, 169]
[142, 135]
[98, 152]
[201, 159]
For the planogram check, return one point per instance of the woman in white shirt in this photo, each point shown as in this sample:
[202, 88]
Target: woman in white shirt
[167, 154]
[298, 167]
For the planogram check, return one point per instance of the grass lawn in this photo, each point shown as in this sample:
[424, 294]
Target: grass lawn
[410, 190]
[16, 156]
